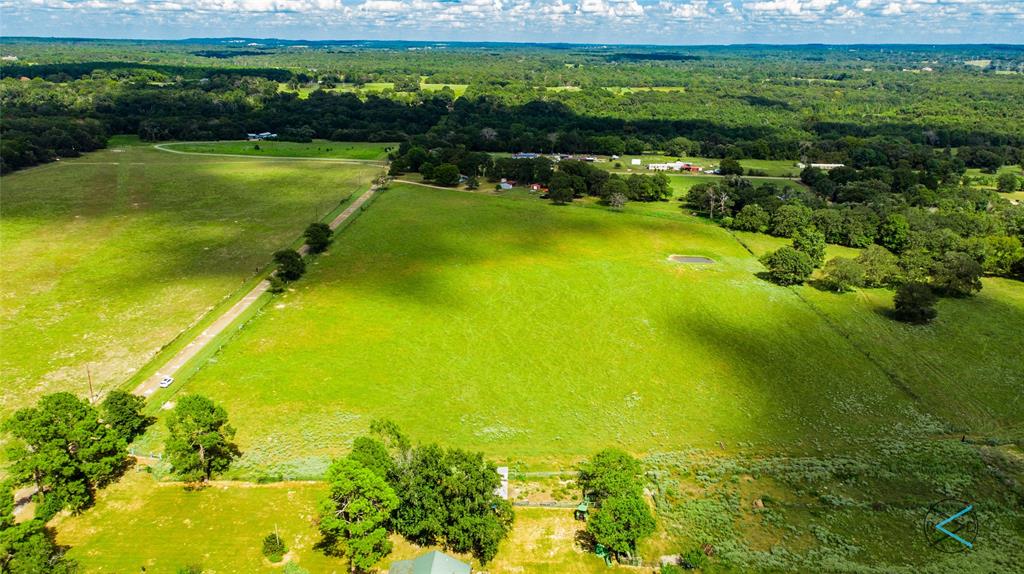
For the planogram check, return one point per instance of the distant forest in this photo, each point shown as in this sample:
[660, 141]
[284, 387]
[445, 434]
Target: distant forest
[865, 105]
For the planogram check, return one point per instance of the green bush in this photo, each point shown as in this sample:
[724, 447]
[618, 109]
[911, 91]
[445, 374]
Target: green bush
[787, 266]
[694, 558]
[915, 303]
[273, 547]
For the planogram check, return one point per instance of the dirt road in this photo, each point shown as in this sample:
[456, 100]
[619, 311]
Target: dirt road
[166, 148]
[151, 384]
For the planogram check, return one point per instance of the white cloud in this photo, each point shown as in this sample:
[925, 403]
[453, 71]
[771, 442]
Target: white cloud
[662, 21]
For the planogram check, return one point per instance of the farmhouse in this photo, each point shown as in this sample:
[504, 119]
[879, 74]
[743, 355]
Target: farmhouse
[674, 166]
[430, 563]
[824, 166]
[262, 136]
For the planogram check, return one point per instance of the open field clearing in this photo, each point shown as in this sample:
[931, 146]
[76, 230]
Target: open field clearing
[373, 87]
[109, 256]
[539, 334]
[370, 151]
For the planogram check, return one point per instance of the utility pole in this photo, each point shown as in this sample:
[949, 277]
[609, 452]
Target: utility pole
[89, 374]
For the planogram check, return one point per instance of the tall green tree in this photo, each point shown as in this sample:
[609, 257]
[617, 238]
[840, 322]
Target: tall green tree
[957, 274]
[752, 217]
[880, 266]
[608, 473]
[448, 496]
[894, 233]
[915, 303]
[123, 412]
[562, 188]
[729, 166]
[354, 515]
[28, 547]
[373, 455]
[1007, 183]
[843, 274]
[446, 174]
[62, 448]
[199, 440]
[290, 265]
[318, 237]
[787, 266]
[790, 218]
[620, 522]
[812, 242]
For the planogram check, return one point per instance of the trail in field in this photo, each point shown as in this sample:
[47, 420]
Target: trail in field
[420, 183]
[195, 346]
[162, 147]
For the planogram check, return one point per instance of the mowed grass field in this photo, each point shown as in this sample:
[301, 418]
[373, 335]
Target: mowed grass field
[108, 257]
[540, 334]
[376, 151]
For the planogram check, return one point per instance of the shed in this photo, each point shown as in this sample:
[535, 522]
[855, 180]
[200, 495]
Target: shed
[502, 489]
[433, 562]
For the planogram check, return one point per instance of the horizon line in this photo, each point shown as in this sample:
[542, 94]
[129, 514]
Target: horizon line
[197, 39]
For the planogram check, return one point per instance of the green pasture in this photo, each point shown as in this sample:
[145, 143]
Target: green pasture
[316, 149]
[974, 384]
[371, 87]
[459, 89]
[110, 256]
[539, 334]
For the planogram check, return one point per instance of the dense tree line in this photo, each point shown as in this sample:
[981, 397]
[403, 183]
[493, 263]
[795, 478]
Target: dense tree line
[713, 113]
[25, 142]
[926, 233]
[920, 215]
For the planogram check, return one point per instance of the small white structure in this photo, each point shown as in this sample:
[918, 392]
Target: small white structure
[674, 166]
[635, 161]
[262, 136]
[502, 490]
[824, 166]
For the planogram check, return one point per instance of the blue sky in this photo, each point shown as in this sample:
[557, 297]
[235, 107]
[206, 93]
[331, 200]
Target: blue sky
[585, 21]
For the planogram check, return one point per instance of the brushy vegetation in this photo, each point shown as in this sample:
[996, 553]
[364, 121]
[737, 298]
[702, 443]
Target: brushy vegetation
[857, 512]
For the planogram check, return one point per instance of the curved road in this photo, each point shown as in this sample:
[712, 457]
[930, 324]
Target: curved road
[163, 147]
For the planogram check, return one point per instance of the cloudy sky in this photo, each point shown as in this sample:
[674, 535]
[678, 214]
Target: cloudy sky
[584, 21]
